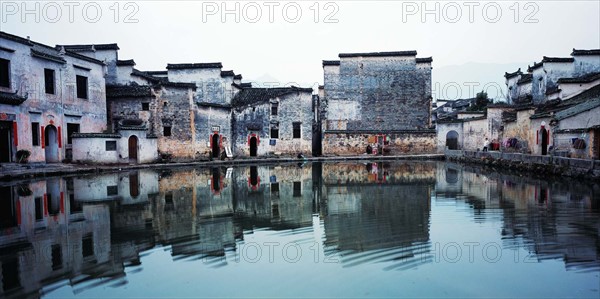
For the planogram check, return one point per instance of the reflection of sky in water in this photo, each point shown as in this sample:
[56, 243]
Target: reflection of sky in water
[340, 230]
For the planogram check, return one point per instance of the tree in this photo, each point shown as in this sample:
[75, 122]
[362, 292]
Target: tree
[481, 102]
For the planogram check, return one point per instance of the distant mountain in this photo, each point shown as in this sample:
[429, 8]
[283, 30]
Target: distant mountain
[458, 81]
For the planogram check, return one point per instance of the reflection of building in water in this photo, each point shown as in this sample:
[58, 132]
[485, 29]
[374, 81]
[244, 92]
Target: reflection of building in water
[366, 214]
[557, 219]
[478, 189]
[132, 187]
[274, 196]
[46, 236]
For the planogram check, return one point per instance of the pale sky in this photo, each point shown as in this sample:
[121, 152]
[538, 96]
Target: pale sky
[501, 32]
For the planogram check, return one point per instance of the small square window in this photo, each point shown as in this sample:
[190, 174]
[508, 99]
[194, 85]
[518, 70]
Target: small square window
[167, 131]
[145, 106]
[35, 134]
[112, 190]
[82, 87]
[297, 130]
[49, 80]
[111, 146]
[71, 129]
[274, 133]
[274, 108]
[4, 73]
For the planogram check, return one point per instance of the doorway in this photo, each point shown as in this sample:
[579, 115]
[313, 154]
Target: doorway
[452, 140]
[253, 146]
[5, 141]
[133, 149]
[544, 141]
[51, 144]
[215, 146]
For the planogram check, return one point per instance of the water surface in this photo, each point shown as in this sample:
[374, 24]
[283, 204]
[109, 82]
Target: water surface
[387, 229]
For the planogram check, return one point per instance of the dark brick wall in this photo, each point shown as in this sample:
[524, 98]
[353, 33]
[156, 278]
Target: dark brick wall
[390, 93]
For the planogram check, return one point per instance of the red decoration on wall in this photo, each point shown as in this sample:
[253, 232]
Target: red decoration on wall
[59, 137]
[46, 204]
[16, 133]
[19, 212]
[62, 203]
[43, 137]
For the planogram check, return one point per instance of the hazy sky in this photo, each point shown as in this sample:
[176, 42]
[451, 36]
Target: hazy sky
[303, 33]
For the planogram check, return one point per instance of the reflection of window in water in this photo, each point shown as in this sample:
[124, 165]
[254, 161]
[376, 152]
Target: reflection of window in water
[134, 186]
[10, 274]
[275, 211]
[39, 208]
[56, 257]
[451, 176]
[87, 246]
[168, 201]
[275, 189]
[76, 206]
[297, 189]
[112, 190]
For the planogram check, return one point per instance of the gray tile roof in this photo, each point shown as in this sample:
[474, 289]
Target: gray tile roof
[13, 99]
[585, 52]
[249, 96]
[577, 109]
[182, 66]
[379, 54]
[128, 91]
[89, 47]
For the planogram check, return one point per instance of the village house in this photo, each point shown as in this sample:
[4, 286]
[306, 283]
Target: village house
[552, 108]
[377, 103]
[282, 117]
[46, 95]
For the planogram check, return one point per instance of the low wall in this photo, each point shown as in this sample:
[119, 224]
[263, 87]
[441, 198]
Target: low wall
[556, 165]
[353, 143]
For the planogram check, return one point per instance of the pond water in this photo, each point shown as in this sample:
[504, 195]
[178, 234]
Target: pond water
[386, 229]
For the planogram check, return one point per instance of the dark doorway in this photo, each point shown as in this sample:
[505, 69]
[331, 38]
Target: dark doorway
[452, 140]
[215, 146]
[253, 146]
[51, 144]
[133, 149]
[317, 144]
[5, 141]
[544, 141]
[253, 176]
[596, 147]
[216, 180]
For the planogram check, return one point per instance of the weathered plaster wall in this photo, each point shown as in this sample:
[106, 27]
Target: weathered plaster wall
[442, 130]
[207, 118]
[355, 143]
[585, 64]
[475, 132]
[175, 109]
[520, 129]
[292, 107]
[27, 78]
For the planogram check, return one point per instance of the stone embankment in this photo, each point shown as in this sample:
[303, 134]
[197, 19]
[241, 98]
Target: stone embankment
[551, 165]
